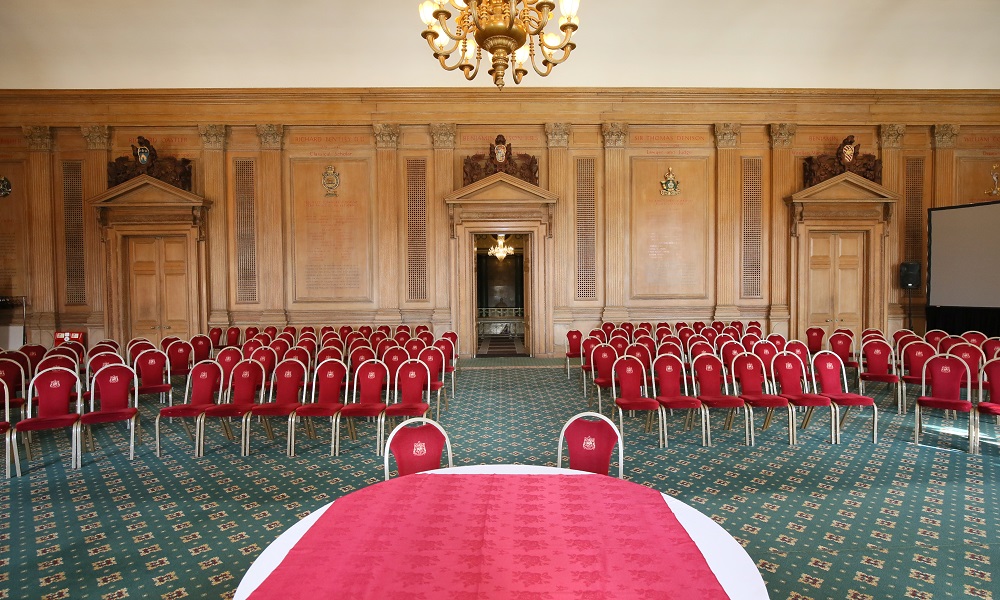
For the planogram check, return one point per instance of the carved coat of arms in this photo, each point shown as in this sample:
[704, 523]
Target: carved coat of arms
[331, 181]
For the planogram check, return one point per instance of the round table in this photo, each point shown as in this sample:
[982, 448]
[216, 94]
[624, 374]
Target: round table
[730, 563]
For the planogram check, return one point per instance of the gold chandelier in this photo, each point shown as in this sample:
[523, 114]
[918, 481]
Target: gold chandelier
[500, 250]
[509, 30]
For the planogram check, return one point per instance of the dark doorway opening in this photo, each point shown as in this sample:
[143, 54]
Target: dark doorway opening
[500, 296]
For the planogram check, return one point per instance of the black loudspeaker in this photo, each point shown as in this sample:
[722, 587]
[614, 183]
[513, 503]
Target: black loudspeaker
[909, 275]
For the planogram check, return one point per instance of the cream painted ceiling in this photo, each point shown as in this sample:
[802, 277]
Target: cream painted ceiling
[882, 44]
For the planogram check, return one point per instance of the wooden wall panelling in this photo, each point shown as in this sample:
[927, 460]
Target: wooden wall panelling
[671, 236]
[782, 186]
[893, 178]
[560, 175]
[95, 182]
[41, 237]
[728, 215]
[213, 176]
[270, 243]
[331, 238]
[945, 138]
[388, 214]
[443, 182]
[615, 219]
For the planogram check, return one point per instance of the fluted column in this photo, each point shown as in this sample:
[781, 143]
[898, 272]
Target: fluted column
[443, 139]
[782, 186]
[616, 177]
[213, 168]
[41, 316]
[270, 263]
[557, 135]
[945, 137]
[95, 181]
[891, 140]
[387, 207]
[727, 218]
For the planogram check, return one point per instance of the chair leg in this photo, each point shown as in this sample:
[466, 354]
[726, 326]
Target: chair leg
[245, 435]
[792, 436]
[156, 433]
[748, 426]
[134, 422]
[335, 436]
[874, 423]
[916, 423]
[707, 431]
[290, 437]
[663, 428]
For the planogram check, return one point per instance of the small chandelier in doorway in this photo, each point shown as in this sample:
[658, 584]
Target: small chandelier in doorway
[500, 250]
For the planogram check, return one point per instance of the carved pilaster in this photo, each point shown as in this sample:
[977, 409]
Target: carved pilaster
[557, 135]
[98, 136]
[614, 134]
[213, 137]
[945, 136]
[891, 136]
[727, 135]
[443, 135]
[783, 134]
[386, 136]
[271, 136]
[38, 138]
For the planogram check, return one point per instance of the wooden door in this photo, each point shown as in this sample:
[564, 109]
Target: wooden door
[159, 287]
[836, 280]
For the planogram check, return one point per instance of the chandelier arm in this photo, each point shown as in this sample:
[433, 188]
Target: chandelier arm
[460, 31]
[545, 61]
[534, 20]
[459, 64]
[550, 58]
[446, 52]
[567, 29]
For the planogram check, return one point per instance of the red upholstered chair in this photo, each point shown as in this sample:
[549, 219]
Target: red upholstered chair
[728, 354]
[434, 359]
[973, 357]
[215, 336]
[607, 328]
[137, 347]
[35, 353]
[450, 350]
[670, 348]
[590, 444]
[879, 365]
[384, 346]
[94, 364]
[9, 443]
[66, 349]
[721, 339]
[345, 330]
[975, 337]
[661, 332]
[766, 351]
[989, 398]
[250, 346]
[58, 360]
[110, 342]
[280, 346]
[587, 367]
[599, 334]
[748, 341]
[418, 445]
[302, 355]
[670, 388]
[915, 354]
[574, 349]
[842, 344]
[287, 393]
[698, 326]
[900, 333]
[233, 336]
[250, 332]
[790, 379]
[329, 380]
[15, 384]
[754, 330]
[228, 358]
[290, 329]
[814, 339]
[778, 340]
[153, 368]
[272, 331]
[628, 328]
[739, 326]
[393, 359]
[603, 358]
[934, 337]
[413, 346]
[370, 379]
[404, 328]
[619, 343]
[944, 377]
[401, 337]
[356, 357]
[264, 338]
[117, 386]
[749, 372]
[267, 357]
[945, 344]
[412, 387]
[830, 380]
[59, 404]
[165, 342]
[991, 348]
[427, 337]
[201, 347]
[203, 382]
[420, 329]
[245, 390]
[629, 389]
[713, 391]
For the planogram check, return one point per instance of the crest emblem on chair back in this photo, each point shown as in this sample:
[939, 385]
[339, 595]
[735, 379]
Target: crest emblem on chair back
[417, 448]
[789, 371]
[591, 443]
[344, 331]
[778, 340]
[413, 347]
[945, 375]
[620, 344]
[748, 341]
[934, 337]
[401, 337]
[250, 346]
[202, 347]
[974, 337]
[878, 356]
[233, 336]
[227, 359]
[267, 358]
[766, 351]
[915, 355]
[947, 343]
[271, 330]
[603, 359]
[588, 346]
[57, 360]
[607, 328]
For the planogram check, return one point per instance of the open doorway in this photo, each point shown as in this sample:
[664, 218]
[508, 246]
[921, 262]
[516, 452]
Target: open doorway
[501, 294]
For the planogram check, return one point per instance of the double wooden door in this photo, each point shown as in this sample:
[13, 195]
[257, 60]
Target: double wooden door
[159, 294]
[836, 288]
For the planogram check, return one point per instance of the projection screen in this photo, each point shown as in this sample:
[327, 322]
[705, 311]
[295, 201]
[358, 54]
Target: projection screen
[963, 260]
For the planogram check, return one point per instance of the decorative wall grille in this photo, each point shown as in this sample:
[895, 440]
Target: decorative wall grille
[752, 226]
[76, 277]
[245, 230]
[913, 234]
[586, 229]
[416, 228]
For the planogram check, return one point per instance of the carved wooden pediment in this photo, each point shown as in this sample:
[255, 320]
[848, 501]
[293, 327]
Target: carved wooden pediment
[146, 200]
[847, 197]
[500, 197]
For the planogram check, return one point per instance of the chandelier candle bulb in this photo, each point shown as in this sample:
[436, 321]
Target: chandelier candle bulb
[507, 30]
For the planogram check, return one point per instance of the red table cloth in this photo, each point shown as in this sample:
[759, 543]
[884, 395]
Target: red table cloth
[495, 536]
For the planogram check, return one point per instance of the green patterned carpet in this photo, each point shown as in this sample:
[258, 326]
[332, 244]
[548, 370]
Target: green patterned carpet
[858, 520]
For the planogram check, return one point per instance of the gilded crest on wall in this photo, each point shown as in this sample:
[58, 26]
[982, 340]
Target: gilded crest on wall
[670, 186]
[500, 159]
[331, 181]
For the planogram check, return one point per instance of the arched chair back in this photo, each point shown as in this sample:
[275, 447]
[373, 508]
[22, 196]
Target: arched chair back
[945, 344]
[975, 337]
[58, 360]
[426, 336]
[250, 346]
[934, 337]
[590, 444]
[268, 358]
[117, 385]
[165, 342]
[401, 337]
[280, 347]
[35, 353]
[227, 359]
[607, 328]
[574, 349]
[403, 327]
[800, 349]
[418, 445]
[215, 336]
[709, 333]
[302, 355]
[272, 331]
[814, 339]
[233, 336]
[991, 348]
[778, 340]
[59, 404]
[413, 346]
[973, 357]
